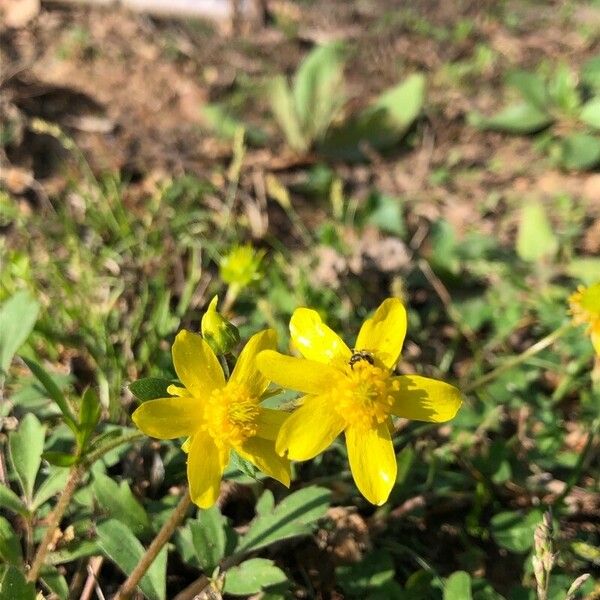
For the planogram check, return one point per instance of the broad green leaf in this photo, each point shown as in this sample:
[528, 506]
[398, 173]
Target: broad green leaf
[8, 499]
[294, 516]
[73, 551]
[10, 545]
[531, 86]
[53, 484]
[380, 126]
[317, 89]
[585, 269]
[517, 118]
[119, 543]
[150, 388]
[17, 319]
[119, 502]
[590, 113]
[283, 109]
[53, 392]
[590, 73]
[226, 125]
[562, 89]
[13, 586]
[208, 537]
[514, 530]
[252, 576]
[535, 237]
[403, 103]
[458, 586]
[580, 151]
[385, 212]
[26, 448]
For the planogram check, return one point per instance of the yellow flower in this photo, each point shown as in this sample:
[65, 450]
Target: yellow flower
[241, 266]
[585, 308]
[218, 416]
[354, 391]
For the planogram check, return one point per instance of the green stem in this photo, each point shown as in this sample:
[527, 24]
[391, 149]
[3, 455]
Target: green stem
[518, 359]
[162, 537]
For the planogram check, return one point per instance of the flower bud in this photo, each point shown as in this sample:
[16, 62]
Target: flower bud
[220, 334]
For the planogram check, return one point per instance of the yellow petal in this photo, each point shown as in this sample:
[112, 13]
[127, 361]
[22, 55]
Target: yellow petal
[310, 429]
[315, 340]
[205, 467]
[372, 461]
[196, 364]
[246, 372]
[262, 453]
[168, 418]
[383, 334]
[307, 376]
[424, 399]
[269, 422]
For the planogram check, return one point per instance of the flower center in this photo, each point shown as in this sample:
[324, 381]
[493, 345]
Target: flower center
[230, 415]
[363, 395]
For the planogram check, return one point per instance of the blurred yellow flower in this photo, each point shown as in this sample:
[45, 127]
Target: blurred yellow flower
[241, 266]
[218, 416]
[354, 391]
[585, 309]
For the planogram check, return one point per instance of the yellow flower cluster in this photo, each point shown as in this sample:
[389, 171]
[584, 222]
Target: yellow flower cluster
[350, 391]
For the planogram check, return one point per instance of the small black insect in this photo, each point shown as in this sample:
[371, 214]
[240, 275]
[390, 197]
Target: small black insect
[358, 355]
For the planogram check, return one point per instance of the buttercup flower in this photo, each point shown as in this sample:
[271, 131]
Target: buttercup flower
[354, 391]
[218, 416]
[220, 334]
[585, 308]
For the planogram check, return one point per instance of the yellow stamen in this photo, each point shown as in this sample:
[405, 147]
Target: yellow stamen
[363, 395]
[230, 415]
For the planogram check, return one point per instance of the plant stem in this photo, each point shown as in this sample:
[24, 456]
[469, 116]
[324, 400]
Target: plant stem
[54, 520]
[162, 537]
[518, 359]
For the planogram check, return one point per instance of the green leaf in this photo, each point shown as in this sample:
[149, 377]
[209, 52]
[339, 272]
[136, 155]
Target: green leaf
[26, 447]
[226, 125]
[294, 516]
[8, 499]
[458, 586]
[120, 503]
[562, 89]
[585, 269]
[122, 547]
[514, 531]
[518, 118]
[531, 86]
[380, 126]
[17, 319]
[53, 392]
[580, 151]
[590, 113]
[73, 551]
[403, 103]
[590, 73]
[10, 546]
[535, 237]
[317, 89]
[208, 537]
[53, 484]
[60, 459]
[385, 212]
[283, 109]
[56, 582]
[252, 576]
[14, 586]
[89, 415]
[150, 388]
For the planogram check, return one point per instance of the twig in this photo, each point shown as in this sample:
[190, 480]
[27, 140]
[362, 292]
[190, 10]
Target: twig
[91, 583]
[54, 520]
[155, 547]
